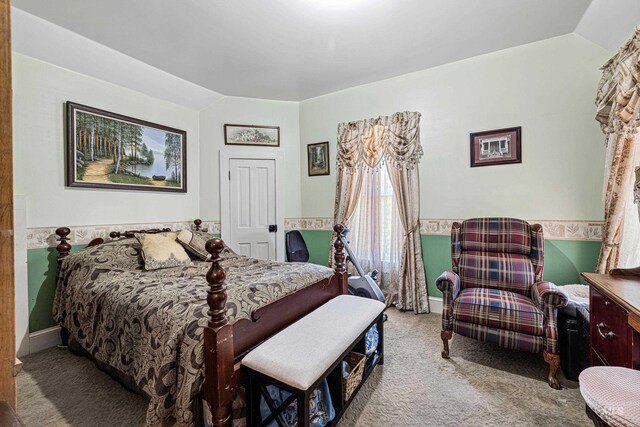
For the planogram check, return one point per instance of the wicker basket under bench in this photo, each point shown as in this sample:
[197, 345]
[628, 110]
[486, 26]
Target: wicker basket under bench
[299, 358]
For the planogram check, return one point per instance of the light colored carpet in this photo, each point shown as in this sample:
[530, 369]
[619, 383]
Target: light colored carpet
[481, 385]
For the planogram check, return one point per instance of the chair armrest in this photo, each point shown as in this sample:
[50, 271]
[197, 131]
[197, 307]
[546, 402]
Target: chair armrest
[546, 293]
[549, 297]
[449, 283]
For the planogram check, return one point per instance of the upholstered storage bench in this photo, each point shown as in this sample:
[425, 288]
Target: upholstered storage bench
[302, 356]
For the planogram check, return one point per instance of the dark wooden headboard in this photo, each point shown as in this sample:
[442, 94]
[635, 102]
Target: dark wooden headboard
[64, 247]
[132, 233]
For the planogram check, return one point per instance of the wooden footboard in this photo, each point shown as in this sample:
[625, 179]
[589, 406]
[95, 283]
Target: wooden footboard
[220, 383]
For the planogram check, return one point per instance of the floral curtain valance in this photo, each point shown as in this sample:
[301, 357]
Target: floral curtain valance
[618, 112]
[618, 95]
[392, 139]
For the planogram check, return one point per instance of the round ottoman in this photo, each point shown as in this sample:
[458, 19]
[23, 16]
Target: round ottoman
[612, 394]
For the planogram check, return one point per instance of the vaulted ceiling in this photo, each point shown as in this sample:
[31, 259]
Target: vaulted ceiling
[298, 49]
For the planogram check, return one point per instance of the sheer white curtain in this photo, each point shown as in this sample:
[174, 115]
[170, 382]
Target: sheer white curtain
[376, 230]
[630, 240]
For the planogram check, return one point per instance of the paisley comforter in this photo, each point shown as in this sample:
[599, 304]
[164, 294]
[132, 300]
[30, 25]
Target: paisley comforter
[148, 325]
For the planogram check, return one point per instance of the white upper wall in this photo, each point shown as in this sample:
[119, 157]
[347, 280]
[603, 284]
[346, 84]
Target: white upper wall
[248, 111]
[547, 87]
[39, 93]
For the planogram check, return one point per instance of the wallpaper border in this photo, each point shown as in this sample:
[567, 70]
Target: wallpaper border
[44, 237]
[553, 229]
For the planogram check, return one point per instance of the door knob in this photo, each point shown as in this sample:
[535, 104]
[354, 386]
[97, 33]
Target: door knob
[273, 228]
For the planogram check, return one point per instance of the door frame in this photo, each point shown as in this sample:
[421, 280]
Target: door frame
[226, 154]
[7, 284]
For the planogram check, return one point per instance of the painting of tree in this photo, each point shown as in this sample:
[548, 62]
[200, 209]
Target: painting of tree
[108, 150]
[172, 155]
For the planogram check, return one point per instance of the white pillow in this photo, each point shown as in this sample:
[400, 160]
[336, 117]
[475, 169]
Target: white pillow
[162, 251]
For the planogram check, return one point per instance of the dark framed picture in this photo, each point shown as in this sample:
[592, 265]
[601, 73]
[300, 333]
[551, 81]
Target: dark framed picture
[496, 147]
[318, 158]
[265, 136]
[109, 150]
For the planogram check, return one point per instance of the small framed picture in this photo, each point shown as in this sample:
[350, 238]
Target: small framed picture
[496, 147]
[265, 136]
[318, 158]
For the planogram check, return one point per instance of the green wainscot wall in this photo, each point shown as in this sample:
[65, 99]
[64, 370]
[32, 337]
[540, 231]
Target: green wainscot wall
[564, 261]
[42, 267]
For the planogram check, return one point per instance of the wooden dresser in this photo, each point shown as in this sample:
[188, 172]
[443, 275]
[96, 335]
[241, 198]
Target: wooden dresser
[615, 318]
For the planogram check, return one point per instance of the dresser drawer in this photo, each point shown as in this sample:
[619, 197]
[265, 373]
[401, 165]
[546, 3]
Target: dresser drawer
[596, 360]
[609, 333]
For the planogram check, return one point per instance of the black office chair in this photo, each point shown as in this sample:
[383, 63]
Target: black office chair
[296, 247]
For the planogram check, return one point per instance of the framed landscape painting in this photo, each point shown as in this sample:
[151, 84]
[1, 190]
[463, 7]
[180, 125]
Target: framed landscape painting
[267, 136]
[318, 158]
[496, 147]
[109, 150]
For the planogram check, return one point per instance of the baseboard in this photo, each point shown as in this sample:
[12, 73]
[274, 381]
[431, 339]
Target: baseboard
[46, 338]
[435, 304]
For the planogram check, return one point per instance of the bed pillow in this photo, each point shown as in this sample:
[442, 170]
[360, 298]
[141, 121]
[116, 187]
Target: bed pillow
[162, 251]
[195, 241]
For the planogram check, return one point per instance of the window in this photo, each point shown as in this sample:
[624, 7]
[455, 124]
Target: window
[376, 230]
[629, 255]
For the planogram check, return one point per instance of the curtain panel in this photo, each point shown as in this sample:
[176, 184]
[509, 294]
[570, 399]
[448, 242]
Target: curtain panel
[394, 141]
[376, 231]
[618, 112]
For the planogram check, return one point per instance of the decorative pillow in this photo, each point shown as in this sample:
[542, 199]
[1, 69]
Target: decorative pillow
[195, 241]
[162, 251]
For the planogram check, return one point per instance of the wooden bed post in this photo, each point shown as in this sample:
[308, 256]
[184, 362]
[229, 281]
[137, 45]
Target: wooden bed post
[63, 247]
[197, 224]
[340, 259]
[218, 343]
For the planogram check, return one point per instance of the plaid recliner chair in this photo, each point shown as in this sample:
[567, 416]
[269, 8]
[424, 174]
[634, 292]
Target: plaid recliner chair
[495, 292]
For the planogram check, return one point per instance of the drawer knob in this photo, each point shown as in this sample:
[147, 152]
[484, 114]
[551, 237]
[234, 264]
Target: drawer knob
[607, 302]
[607, 335]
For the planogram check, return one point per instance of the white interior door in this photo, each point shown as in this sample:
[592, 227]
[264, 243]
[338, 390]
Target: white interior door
[252, 200]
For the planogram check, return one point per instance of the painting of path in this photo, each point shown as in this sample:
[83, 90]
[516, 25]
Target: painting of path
[113, 152]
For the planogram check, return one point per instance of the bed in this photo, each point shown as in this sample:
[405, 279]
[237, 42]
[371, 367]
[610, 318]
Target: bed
[178, 334]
